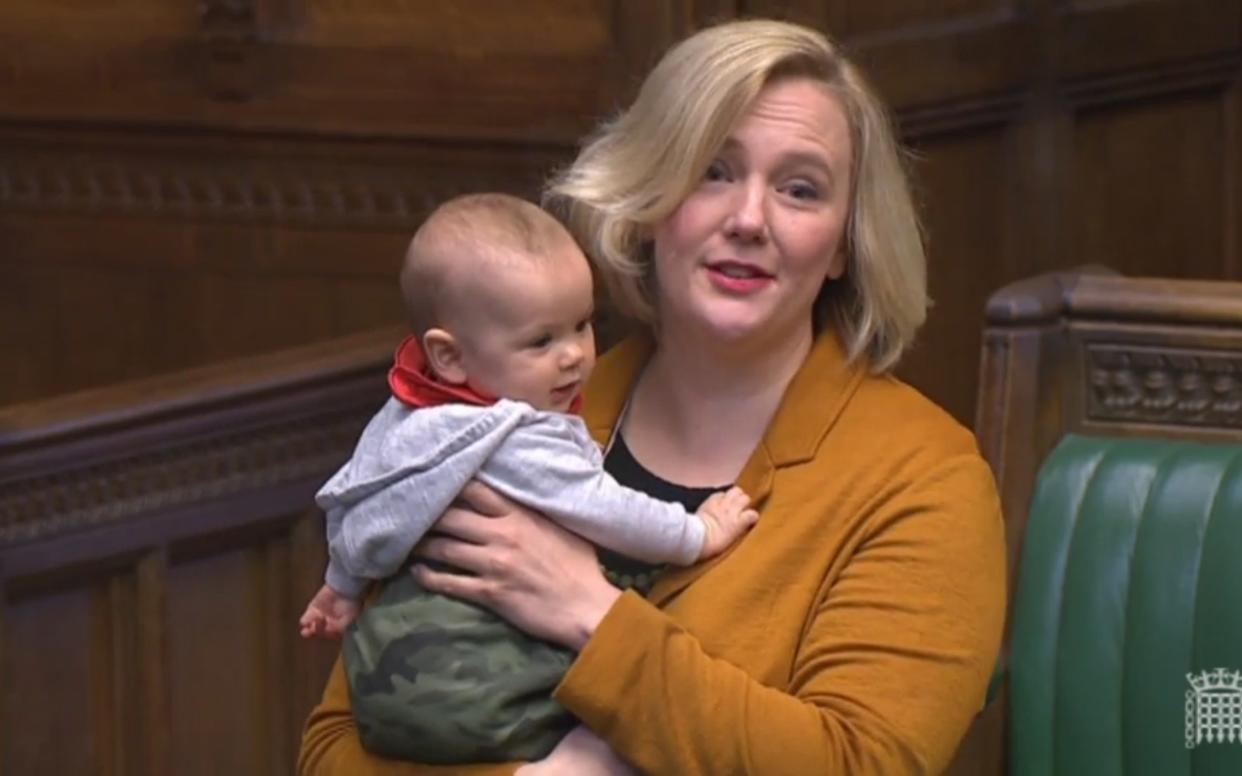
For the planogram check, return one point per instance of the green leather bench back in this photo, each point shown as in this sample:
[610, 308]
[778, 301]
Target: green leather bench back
[1130, 579]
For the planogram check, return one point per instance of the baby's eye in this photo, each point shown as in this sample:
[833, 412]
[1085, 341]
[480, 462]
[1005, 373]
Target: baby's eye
[540, 342]
[583, 325]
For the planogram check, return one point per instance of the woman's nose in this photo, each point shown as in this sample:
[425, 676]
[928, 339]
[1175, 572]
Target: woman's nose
[748, 221]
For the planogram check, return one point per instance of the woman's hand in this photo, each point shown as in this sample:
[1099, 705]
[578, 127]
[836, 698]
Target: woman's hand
[581, 753]
[526, 568]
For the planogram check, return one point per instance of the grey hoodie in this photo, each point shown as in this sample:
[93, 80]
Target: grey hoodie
[411, 463]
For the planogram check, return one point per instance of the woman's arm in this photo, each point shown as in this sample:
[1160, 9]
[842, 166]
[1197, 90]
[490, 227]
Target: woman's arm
[527, 569]
[891, 667]
[331, 747]
[581, 753]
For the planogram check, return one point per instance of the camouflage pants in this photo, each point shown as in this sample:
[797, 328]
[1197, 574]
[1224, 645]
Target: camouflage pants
[436, 680]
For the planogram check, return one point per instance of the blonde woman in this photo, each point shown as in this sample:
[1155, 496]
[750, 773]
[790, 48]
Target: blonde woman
[750, 211]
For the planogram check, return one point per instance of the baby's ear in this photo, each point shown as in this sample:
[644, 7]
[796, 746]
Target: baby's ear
[444, 356]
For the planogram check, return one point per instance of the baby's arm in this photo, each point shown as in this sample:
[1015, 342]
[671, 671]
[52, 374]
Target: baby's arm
[331, 611]
[328, 614]
[368, 539]
[559, 473]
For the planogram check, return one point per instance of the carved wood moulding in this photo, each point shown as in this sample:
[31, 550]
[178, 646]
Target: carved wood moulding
[1214, 72]
[923, 122]
[338, 194]
[1164, 386]
[178, 475]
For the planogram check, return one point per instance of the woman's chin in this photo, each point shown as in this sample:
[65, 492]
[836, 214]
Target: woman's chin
[728, 323]
[733, 329]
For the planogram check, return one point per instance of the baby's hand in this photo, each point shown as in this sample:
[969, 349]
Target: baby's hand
[727, 516]
[328, 614]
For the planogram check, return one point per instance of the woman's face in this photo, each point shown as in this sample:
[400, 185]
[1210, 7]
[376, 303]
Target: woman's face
[743, 257]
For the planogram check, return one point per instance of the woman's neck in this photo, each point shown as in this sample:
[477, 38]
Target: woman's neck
[698, 411]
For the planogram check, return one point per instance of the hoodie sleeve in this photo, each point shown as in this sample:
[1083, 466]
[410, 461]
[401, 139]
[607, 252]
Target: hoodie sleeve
[408, 467]
[552, 465]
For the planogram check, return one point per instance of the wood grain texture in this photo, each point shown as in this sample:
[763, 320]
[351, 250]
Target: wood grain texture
[151, 587]
[186, 184]
[964, 201]
[1149, 187]
[55, 673]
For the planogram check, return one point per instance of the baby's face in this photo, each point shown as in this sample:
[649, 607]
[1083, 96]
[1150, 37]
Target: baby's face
[528, 334]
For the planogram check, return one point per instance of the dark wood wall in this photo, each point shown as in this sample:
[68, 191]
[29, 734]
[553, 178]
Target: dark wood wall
[158, 541]
[185, 181]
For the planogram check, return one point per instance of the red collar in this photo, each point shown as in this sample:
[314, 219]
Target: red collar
[413, 383]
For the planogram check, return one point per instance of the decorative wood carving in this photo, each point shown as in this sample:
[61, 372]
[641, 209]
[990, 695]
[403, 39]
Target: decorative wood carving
[175, 475]
[1164, 386]
[1090, 352]
[306, 191]
[197, 489]
[1213, 73]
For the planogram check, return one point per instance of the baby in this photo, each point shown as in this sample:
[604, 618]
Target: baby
[500, 300]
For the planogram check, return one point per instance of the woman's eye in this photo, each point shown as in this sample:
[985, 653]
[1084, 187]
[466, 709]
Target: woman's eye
[716, 171]
[802, 190]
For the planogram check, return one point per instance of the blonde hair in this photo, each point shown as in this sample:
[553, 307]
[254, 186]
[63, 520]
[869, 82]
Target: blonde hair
[446, 253]
[636, 170]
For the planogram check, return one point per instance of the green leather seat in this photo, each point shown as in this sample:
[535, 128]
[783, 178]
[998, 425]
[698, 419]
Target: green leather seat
[1130, 578]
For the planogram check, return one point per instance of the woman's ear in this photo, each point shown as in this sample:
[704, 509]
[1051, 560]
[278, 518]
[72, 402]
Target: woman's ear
[444, 356]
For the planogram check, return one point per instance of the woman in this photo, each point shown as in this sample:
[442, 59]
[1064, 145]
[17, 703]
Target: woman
[750, 208]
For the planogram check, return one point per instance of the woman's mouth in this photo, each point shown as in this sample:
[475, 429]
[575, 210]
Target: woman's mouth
[737, 277]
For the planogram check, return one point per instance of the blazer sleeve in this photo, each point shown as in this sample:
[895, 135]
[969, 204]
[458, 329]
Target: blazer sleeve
[891, 668]
[331, 747]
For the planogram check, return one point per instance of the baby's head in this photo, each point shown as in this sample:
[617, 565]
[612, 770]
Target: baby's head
[501, 298]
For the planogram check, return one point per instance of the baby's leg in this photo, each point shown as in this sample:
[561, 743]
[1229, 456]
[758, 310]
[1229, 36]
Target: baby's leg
[436, 680]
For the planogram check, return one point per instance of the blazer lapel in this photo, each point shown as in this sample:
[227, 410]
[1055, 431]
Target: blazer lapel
[756, 480]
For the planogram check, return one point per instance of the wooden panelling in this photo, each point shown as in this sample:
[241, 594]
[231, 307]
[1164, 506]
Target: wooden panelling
[146, 664]
[1231, 170]
[184, 183]
[961, 58]
[488, 69]
[860, 18]
[964, 199]
[156, 549]
[57, 683]
[1149, 187]
[216, 612]
[1108, 37]
[146, 254]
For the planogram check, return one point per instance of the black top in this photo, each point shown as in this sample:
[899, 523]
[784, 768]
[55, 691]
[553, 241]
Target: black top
[626, 572]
